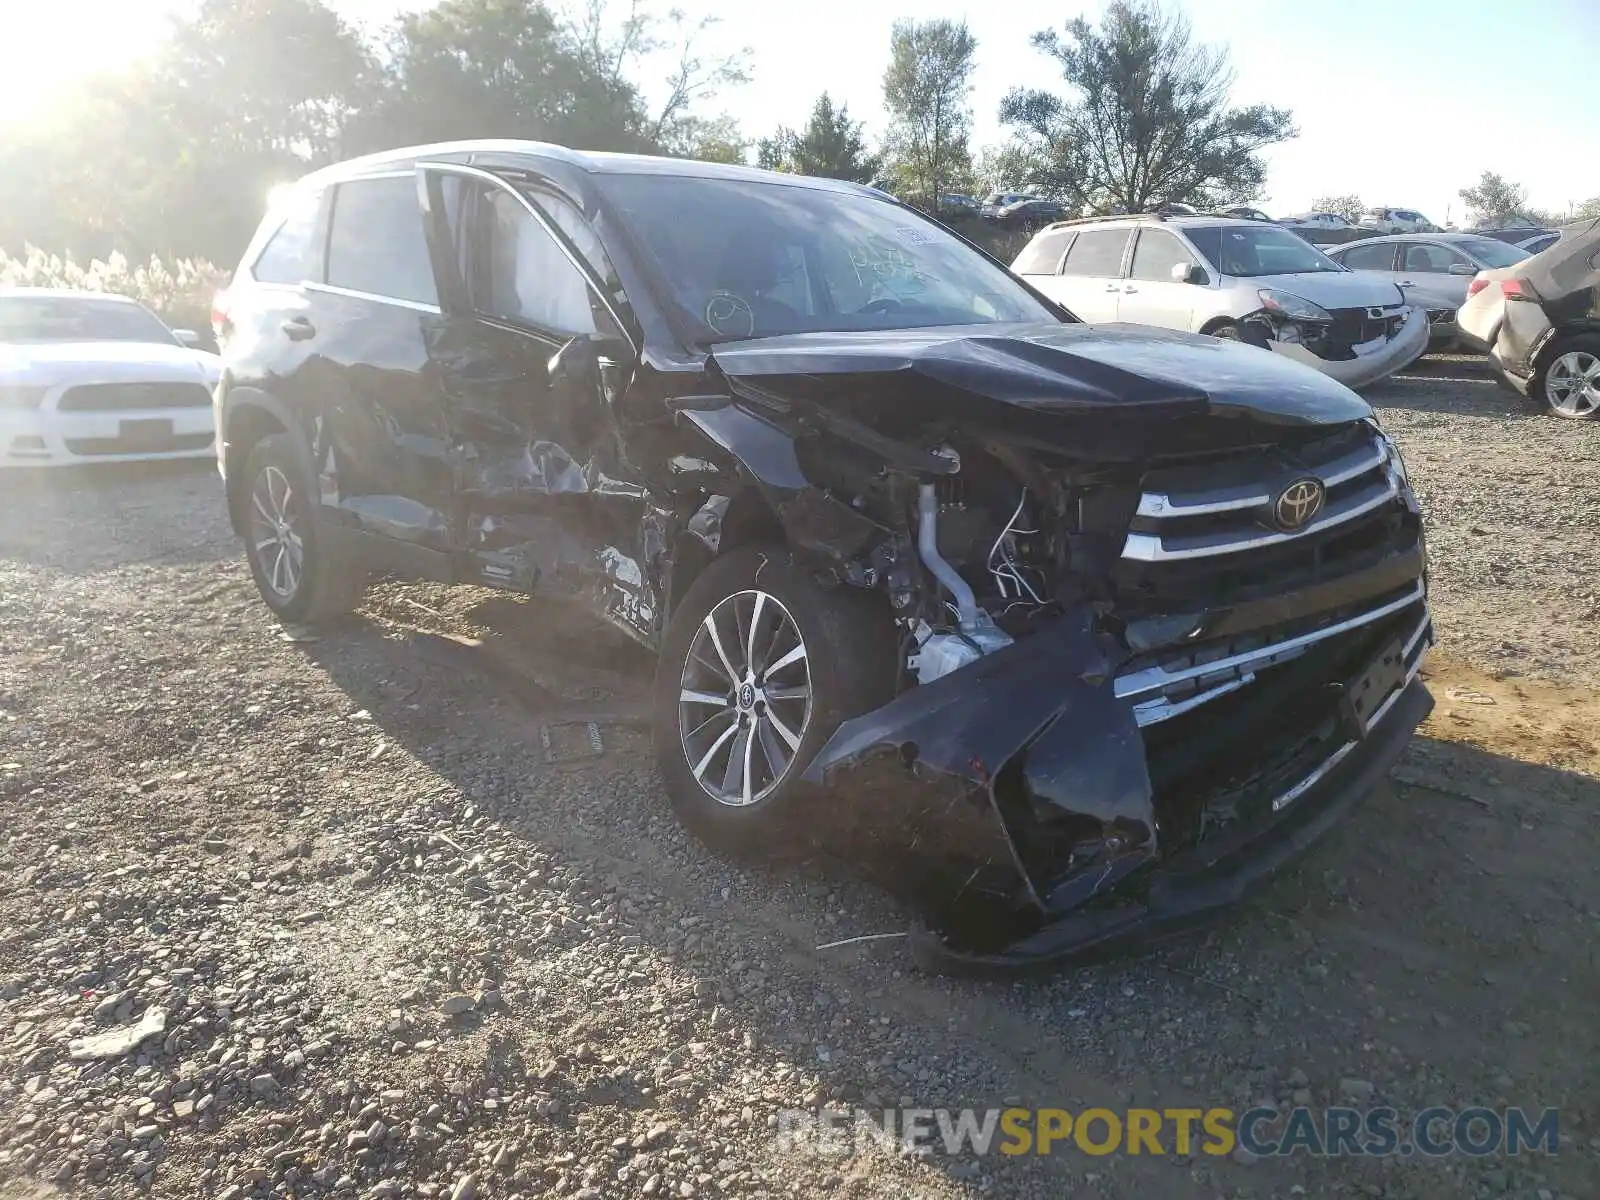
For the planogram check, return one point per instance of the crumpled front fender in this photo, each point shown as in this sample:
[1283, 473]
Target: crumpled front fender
[990, 776]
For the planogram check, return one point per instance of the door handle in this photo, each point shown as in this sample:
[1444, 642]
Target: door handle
[1128, 291]
[1407, 283]
[1113, 287]
[299, 329]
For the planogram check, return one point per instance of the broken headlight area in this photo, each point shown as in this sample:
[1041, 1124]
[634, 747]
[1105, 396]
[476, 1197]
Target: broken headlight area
[1336, 335]
[1112, 685]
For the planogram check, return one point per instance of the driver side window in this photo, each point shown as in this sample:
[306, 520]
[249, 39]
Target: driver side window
[526, 278]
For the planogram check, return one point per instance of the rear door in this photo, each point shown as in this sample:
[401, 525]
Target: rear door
[532, 357]
[1150, 295]
[384, 444]
[1425, 275]
[1090, 282]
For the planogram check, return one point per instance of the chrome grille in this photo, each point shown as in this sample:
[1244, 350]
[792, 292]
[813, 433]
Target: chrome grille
[1192, 522]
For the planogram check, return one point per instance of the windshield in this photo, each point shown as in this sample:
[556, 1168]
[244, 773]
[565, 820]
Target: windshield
[1249, 250]
[78, 319]
[1492, 253]
[754, 259]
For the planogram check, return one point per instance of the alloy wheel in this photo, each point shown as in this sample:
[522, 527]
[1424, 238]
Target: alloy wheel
[1572, 384]
[275, 532]
[745, 698]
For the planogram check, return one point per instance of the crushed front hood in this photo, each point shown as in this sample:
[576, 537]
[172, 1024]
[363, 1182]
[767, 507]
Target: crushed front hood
[1021, 373]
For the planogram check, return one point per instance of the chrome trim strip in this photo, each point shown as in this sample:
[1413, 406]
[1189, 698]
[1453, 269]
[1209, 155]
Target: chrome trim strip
[1153, 712]
[1161, 504]
[1148, 547]
[1154, 679]
[353, 294]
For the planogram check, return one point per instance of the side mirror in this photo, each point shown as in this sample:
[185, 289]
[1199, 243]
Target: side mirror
[1463, 269]
[574, 370]
[187, 337]
[1188, 273]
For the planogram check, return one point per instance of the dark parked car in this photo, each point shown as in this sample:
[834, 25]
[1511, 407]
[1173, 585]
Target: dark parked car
[1029, 214]
[1083, 629]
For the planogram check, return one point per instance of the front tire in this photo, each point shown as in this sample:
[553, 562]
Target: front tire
[1569, 382]
[759, 666]
[288, 553]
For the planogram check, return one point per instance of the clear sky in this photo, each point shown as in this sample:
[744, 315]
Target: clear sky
[1403, 102]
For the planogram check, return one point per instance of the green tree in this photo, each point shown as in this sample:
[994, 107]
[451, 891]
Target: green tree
[831, 146]
[926, 92]
[1588, 210]
[1349, 207]
[1010, 167]
[1494, 200]
[1148, 119]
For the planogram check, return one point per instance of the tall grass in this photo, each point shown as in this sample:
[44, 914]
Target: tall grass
[180, 290]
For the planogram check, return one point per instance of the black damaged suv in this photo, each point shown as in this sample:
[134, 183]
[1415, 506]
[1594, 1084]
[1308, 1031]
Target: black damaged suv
[1084, 629]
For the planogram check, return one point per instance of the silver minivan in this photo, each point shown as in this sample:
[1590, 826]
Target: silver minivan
[1246, 281]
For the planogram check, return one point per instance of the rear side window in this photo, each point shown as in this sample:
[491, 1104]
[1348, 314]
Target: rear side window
[1097, 252]
[1041, 256]
[376, 243]
[1370, 258]
[290, 253]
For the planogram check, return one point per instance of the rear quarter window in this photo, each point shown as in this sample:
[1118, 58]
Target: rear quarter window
[1042, 255]
[290, 253]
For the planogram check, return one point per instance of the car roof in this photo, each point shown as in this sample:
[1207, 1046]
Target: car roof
[65, 294]
[496, 151]
[1174, 220]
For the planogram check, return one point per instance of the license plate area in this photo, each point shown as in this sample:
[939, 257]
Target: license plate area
[1366, 693]
[145, 433]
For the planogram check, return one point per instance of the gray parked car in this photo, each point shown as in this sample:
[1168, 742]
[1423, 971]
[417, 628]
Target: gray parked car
[1432, 269]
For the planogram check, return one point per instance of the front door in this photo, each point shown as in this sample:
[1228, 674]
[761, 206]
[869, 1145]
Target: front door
[531, 355]
[1150, 294]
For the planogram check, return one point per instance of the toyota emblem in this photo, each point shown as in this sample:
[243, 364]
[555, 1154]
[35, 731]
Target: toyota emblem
[1298, 503]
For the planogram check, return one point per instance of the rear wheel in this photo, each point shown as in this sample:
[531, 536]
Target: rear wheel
[759, 666]
[288, 554]
[1569, 382]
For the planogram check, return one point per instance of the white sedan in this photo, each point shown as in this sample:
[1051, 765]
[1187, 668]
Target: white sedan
[92, 377]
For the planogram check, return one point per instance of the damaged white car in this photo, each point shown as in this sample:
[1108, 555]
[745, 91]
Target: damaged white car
[1240, 280]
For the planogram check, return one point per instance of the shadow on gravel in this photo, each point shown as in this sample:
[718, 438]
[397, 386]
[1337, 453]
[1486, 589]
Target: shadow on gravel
[1437, 949]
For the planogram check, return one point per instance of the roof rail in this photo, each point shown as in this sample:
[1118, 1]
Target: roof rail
[1088, 220]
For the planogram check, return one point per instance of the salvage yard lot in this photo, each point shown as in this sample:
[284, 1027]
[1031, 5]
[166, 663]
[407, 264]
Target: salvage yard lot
[401, 952]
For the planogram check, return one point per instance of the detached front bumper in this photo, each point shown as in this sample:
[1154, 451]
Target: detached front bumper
[1016, 794]
[1378, 362]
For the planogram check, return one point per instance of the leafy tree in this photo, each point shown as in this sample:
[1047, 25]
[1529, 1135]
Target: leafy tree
[1495, 200]
[1009, 167]
[1349, 207]
[1588, 210]
[925, 90]
[615, 48]
[832, 146]
[1148, 120]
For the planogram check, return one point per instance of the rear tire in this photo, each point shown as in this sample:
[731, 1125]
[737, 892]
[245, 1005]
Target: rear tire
[284, 540]
[733, 736]
[1568, 384]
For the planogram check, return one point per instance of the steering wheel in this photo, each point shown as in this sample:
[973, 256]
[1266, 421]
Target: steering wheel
[883, 304]
[730, 314]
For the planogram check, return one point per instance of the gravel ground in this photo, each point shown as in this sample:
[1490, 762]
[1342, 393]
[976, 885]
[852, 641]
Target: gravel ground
[382, 945]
